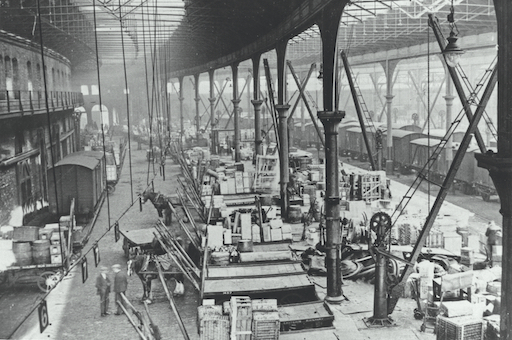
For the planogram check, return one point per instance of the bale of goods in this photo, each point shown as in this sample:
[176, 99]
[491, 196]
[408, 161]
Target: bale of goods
[220, 257]
[41, 252]
[459, 328]
[22, 253]
[25, 234]
[266, 256]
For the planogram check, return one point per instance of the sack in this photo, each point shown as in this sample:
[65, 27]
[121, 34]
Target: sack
[179, 289]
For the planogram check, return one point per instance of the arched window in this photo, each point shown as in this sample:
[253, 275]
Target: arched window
[9, 86]
[16, 78]
[2, 78]
[38, 77]
[30, 85]
[53, 80]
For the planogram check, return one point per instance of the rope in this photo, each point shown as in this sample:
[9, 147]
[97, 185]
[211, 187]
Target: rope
[428, 114]
[127, 101]
[150, 115]
[48, 119]
[101, 106]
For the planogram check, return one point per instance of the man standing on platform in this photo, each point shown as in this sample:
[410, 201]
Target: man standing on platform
[120, 286]
[103, 290]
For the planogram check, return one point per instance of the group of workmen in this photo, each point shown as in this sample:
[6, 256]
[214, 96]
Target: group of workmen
[104, 284]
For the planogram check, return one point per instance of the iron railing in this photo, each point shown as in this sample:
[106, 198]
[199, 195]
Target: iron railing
[30, 102]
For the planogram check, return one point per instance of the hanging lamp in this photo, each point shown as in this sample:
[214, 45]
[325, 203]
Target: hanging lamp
[452, 51]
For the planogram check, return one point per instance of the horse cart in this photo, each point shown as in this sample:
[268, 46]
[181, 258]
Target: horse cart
[45, 276]
[138, 241]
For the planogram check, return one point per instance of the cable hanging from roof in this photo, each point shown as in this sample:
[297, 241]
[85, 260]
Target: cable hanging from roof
[101, 108]
[150, 115]
[127, 103]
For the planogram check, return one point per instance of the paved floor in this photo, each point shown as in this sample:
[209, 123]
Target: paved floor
[74, 306]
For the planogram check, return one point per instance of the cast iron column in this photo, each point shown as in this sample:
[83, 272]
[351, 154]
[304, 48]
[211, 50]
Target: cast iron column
[282, 109]
[182, 125]
[197, 99]
[212, 111]
[331, 120]
[256, 102]
[449, 104]
[500, 164]
[389, 139]
[258, 147]
[283, 158]
[236, 114]
[328, 23]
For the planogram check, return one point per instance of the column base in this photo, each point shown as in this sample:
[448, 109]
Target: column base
[335, 300]
[389, 167]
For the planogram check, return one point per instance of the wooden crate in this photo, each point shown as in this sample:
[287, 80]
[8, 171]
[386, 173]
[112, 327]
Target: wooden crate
[265, 325]
[306, 315]
[241, 318]
[214, 327]
[459, 328]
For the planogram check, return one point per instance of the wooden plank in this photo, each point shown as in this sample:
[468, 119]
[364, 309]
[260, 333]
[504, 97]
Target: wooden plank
[251, 270]
[240, 285]
[304, 311]
[140, 236]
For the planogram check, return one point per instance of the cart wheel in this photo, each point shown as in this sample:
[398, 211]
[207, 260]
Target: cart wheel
[418, 315]
[422, 328]
[111, 189]
[46, 281]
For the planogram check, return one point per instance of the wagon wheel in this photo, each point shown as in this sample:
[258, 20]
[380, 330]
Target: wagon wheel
[291, 298]
[45, 282]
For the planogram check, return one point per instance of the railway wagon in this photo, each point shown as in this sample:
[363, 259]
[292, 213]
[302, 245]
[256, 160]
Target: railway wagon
[356, 146]
[343, 136]
[440, 133]
[422, 150]
[79, 175]
[401, 153]
[480, 182]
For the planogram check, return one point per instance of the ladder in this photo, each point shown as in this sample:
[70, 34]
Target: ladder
[473, 93]
[271, 96]
[365, 118]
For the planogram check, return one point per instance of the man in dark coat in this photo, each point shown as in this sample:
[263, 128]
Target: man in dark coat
[120, 286]
[103, 290]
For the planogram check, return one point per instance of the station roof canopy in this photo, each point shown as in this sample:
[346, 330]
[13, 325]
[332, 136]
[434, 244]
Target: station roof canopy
[197, 35]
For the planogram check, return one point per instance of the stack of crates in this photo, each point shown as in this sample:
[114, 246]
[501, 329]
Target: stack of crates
[435, 239]
[370, 187]
[265, 319]
[407, 234]
[240, 310]
[459, 328]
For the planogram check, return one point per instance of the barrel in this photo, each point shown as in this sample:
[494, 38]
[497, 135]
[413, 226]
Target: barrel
[245, 246]
[41, 251]
[22, 253]
[294, 214]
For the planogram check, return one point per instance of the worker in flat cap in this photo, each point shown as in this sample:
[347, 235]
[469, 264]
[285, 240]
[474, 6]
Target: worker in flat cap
[120, 286]
[103, 290]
